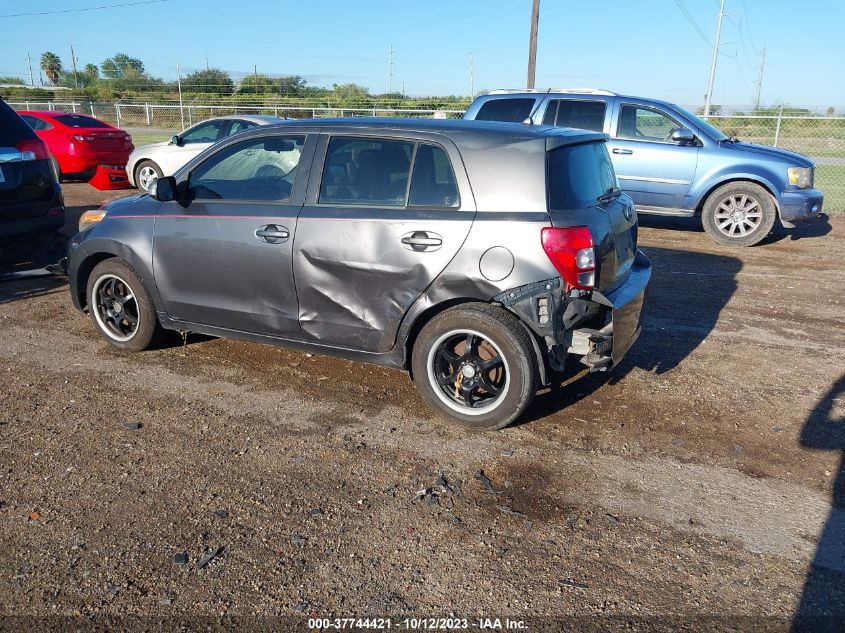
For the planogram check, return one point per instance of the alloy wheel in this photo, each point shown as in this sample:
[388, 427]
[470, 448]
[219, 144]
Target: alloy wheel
[115, 307]
[738, 215]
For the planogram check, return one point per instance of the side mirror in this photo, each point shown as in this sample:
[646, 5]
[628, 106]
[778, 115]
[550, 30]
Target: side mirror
[683, 136]
[163, 189]
[176, 140]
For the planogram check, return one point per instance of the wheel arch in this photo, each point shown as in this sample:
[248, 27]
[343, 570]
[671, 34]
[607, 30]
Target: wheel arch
[83, 273]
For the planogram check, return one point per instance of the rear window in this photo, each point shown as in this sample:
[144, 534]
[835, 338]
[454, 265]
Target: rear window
[587, 115]
[79, 120]
[12, 127]
[508, 110]
[578, 175]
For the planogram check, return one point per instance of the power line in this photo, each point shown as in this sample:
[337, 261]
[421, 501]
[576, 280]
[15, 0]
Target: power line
[105, 6]
[693, 22]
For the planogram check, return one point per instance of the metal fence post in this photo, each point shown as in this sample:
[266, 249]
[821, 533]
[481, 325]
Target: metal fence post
[777, 127]
[91, 103]
[117, 112]
[73, 106]
[147, 110]
[190, 120]
[50, 106]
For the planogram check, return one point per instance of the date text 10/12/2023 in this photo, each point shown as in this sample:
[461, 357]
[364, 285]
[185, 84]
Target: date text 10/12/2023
[418, 624]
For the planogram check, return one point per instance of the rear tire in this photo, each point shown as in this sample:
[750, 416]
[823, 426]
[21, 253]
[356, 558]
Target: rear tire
[121, 307]
[145, 172]
[475, 364]
[739, 214]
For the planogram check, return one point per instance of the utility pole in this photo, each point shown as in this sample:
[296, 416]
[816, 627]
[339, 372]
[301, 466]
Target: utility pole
[73, 60]
[390, 70]
[760, 78]
[471, 76]
[179, 83]
[31, 78]
[206, 63]
[709, 97]
[532, 44]
[255, 70]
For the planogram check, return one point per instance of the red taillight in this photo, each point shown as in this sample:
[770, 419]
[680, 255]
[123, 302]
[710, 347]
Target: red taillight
[573, 254]
[34, 149]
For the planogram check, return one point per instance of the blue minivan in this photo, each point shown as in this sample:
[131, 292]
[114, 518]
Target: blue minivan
[671, 162]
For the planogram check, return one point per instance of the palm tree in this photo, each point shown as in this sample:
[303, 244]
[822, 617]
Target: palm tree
[52, 66]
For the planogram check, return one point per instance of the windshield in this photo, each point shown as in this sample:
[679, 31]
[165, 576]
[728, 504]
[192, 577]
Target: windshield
[715, 133]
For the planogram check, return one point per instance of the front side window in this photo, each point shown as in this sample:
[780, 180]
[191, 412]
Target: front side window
[578, 175]
[366, 171]
[508, 110]
[261, 169]
[203, 133]
[586, 115]
[644, 124]
[80, 120]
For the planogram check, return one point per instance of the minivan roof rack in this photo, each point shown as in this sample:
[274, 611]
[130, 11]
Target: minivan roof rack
[587, 91]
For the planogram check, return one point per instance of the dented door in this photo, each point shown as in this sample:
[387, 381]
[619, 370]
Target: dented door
[358, 265]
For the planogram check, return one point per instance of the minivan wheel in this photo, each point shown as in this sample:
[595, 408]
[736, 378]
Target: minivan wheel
[145, 173]
[121, 307]
[739, 214]
[475, 364]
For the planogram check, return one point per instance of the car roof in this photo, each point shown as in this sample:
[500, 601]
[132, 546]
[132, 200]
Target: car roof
[468, 134]
[565, 92]
[262, 119]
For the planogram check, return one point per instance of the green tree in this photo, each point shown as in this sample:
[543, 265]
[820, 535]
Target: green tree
[52, 67]
[210, 81]
[91, 70]
[291, 85]
[9, 79]
[121, 66]
[257, 85]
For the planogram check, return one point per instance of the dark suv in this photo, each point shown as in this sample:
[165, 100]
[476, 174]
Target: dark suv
[30, 196]
[479, 256]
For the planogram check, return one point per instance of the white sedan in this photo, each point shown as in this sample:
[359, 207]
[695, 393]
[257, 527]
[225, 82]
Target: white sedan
[149, 162]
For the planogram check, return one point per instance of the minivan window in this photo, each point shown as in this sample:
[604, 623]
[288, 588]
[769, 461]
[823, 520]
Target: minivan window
[79, 120]
[256, 169]
[367, 171]
[578, 175]
[433, 182]
[644, 124]
[508, 110]
[586, 115]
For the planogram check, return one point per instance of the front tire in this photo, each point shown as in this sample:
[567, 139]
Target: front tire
[121, 307]
[739, 214]
[145, 173]
[474, 363]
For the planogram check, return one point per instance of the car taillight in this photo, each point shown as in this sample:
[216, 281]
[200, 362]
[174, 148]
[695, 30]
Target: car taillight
[34, 149]
[79, 138]
[127, 138]
[573, 254]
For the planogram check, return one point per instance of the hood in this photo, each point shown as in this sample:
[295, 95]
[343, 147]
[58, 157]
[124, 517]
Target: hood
[121, 203]
[793, 159]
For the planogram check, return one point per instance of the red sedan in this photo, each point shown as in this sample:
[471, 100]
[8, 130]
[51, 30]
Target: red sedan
[81, 144]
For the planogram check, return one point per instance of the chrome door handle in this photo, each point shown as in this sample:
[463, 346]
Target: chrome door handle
[421, 241]
[617, 150]
[272, 234]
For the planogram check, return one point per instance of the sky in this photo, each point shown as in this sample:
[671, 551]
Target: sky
[647, 48]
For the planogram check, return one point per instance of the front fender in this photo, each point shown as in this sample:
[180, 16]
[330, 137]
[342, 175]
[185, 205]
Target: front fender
[704, 186]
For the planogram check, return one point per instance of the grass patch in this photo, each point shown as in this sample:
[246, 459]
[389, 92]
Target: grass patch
[830, 179]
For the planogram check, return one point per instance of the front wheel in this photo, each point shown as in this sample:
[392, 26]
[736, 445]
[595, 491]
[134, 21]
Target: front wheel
[145, 173]
[739, 214]
[475, 364]
[121, 306]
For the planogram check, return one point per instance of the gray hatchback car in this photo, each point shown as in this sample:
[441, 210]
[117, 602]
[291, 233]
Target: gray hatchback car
[480, 257]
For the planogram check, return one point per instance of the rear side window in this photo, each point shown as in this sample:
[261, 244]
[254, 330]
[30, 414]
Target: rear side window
[366, 171]
[578, 175]
[508, 110]
[433, 182]
[35, 123]
[240, 126]
[12, 128]
[587, 115]
[79, 120]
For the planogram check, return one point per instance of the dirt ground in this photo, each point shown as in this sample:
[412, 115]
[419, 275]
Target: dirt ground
[703, 478]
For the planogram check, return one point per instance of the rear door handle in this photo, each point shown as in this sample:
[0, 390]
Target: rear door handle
[272, 234]
[421, 241]
[619, 150]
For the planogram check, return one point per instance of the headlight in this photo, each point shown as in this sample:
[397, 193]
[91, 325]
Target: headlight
[801, 177]
[90, 218]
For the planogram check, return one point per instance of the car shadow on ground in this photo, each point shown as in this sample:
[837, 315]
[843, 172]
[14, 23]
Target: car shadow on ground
[822, 605]
[687, 293]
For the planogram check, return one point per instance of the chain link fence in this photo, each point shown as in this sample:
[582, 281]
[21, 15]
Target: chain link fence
[820, 138]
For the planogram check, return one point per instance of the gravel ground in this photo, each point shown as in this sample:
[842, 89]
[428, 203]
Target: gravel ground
[220, 479]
